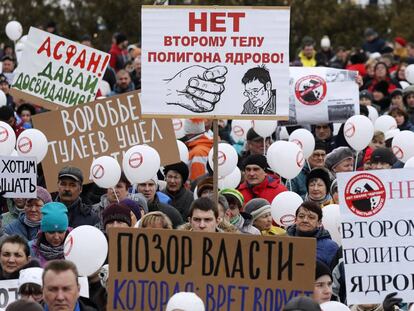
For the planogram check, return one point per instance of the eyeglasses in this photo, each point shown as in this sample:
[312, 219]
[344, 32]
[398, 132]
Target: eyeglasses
[252, 92]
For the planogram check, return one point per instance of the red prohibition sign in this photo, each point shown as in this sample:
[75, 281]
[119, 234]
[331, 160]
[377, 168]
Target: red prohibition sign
[25, 145]
[238, 131]
[297, 142]
[135, 160]
[300, 158]
[310, 90]
[221, 157]
[4, 134]
[98, 171]
[349, 129]
[68, 246]
[177, 124]
[398, 152]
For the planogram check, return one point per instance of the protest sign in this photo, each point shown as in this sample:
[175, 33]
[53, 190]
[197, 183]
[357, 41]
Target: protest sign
[109, 126]
[59, 70]
[321, 95]
[228, 271]
[8, 292]
[215, 62]
[377, 234]
[18, 176]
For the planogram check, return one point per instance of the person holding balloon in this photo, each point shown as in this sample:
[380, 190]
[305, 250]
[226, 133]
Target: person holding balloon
[54, 228]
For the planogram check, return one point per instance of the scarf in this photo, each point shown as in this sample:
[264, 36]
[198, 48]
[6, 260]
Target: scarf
[235, 220]
[51, 252]
[30, 223]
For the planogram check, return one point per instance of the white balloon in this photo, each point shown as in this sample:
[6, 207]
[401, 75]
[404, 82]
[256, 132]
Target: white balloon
[334, 306]
[178, 125]
[32, 143]
[239, 129]
[3, 99]
[391, 133]
[285, 158]
[372, 113]
[403, 146]
[227, 159]
[232, 180]
[105, 172]
[183, 150]
[264, 128]
[304, 139]
[284, 207]
[14, 30]
[358, 132]
[409, 73]
[385, 123]
[409, 163]
[331, 221]
[7, 139]
[87, 248]
[140, 163]
[404, 84]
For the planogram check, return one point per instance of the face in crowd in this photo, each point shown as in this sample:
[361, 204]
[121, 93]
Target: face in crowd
[69, 190]
[174, 181]
[322, 291]
[258, 145]
[204, 221]
[317, 189]
[317, 158]
[13, 257]
[323, 131]
[306, 220]
[121, 192]
[254, 174]
[148, 189]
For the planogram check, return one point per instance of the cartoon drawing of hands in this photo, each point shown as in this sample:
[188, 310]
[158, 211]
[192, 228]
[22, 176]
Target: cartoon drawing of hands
[196, 88]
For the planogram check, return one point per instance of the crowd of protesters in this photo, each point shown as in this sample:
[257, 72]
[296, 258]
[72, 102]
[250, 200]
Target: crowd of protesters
[180, 196]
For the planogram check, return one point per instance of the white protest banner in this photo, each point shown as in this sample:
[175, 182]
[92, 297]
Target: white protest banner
[8, 293]
[224, 62]
[322, 95]
[18, 176]
[377, 212]
[59, 70]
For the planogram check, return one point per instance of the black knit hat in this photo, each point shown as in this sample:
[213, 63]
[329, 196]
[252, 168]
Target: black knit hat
[257, 159]
[252, 135]
[179, 167]
[322, 173]
[381, 87]
[320, 145]
[302, 303]
[117, 212]
[383, 155]
[365, 94]
[322, 269]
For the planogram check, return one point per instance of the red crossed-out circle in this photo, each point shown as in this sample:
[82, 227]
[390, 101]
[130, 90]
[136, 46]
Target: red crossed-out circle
[177, 124]
[25, 145]
[4, 134]
[221, 157]
[297, 142]
[365, 187]
[398, 152]
[300, 159]
[287, 219]
[68, 246]
[135, 160]
[349, 129]
[238, 131]
[310, 90]
[98, 171]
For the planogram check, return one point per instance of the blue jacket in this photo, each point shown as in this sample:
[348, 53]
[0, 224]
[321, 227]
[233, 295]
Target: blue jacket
[19, 227]
[326, 248]
[299, 182]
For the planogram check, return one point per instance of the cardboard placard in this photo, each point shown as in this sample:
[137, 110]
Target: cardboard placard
[322, 95]
[227, 271]
[59, 70]
[8, 292]
[109, 126]
[215, 62]
[377, 212]
[18, 176]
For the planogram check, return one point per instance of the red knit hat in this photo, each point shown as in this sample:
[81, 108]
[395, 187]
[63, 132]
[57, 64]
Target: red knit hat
[401, 41]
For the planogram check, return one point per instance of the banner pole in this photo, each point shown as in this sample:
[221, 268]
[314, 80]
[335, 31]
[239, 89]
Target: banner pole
[215, 161]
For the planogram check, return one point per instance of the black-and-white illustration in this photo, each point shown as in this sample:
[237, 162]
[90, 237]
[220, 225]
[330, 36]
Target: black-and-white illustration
[340, 112]
[258, 90]
[196, 88]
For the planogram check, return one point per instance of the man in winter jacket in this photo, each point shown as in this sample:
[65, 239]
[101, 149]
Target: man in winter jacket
[70, 181]
[259, 184]
[308, 223]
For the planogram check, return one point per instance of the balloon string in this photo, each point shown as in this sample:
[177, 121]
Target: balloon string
[289, 181]
[356, 161]
[264, 146]
[307, 162]
[113, 189]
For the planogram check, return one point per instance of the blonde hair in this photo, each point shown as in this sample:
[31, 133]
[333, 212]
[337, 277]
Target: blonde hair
[152, 218]
[378, 135]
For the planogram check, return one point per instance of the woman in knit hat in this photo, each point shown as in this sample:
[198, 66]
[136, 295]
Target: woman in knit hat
[116, 216]
[28, 223]
[318, 183]
[261, 215]
[48, 244]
